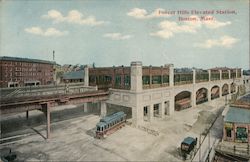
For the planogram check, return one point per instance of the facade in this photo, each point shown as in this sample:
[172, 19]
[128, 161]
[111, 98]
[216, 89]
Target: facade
[236, 132]
[73, 77]
[25, 72]
[150, 91]
[246, 79]
[237, 121]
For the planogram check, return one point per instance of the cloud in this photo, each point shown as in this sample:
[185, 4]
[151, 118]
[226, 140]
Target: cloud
[224, 41]
[73, 17]
[47, 32]
[169, 28]
[215, 23]
[117, 36]
[139, 13]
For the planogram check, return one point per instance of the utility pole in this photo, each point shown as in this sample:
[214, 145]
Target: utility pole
[54, 68]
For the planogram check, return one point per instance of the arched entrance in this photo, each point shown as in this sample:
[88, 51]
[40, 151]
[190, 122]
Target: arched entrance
[215, 92]
[201, 96]
[182, 100]
[225, 90]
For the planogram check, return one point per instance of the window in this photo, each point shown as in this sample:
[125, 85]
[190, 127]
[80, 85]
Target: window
[202, 76]
[117, 80]
[228, 132]
[156, 79]
[241, 134]
[145, 80]
[165, 79]
[127, 80]
[92, 79]
[108, 79]
[184, 147]
[176, 78]
[225, 75]
[101, 79]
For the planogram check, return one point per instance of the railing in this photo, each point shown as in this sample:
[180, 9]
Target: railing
[202, 77]
[183, 82]
[148, 86]
[215, 76]
[234, 149]
[45, 90]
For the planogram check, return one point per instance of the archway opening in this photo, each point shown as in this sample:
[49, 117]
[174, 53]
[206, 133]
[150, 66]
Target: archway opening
[182, 100]
[215, 92]
[201, 96]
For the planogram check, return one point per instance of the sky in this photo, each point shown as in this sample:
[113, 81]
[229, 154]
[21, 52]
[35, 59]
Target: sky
[117, 32]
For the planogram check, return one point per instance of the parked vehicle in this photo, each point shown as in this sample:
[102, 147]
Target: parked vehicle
[188, 147]
[110, 124]
[182, 104]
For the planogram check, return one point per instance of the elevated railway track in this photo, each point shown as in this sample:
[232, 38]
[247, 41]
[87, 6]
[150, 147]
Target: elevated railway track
[46, 102]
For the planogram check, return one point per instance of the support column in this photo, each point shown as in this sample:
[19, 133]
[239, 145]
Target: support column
[236, 73]
[229, 74]
[171, 105]
[162, 109]
[194, 76]
[136, 76]
[136, 87]
[209, 75]
[103, 109]
[220, 74]
[85, 107]
[193, 98]
[151, 112]
[229, 92]
[46, 111]
[220, 90]
[137, 115]
[171, 75]
[86, 76]
[209, 94]
[27, 114]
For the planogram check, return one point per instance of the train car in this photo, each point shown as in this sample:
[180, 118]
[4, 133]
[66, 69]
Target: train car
[109, 124]
[201, 98]
[182, 104]
[215, 93]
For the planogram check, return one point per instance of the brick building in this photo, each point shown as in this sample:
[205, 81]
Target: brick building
[237, 121]
[16, 71]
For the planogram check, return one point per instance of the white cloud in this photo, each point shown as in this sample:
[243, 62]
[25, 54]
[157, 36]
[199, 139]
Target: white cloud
[139, 13]
[169, 28]
[73, 17]
[117, 36]
[224, 41]
[213, 24]
[47, 32]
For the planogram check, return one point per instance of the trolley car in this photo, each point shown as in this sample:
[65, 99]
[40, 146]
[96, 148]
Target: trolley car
[110, 124]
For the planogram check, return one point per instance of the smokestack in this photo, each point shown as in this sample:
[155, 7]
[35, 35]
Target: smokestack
[53, 55]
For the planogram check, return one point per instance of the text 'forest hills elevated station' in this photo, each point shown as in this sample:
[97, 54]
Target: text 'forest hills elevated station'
[148, 91]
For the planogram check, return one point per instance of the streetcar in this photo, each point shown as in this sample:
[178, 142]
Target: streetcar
[110, 124]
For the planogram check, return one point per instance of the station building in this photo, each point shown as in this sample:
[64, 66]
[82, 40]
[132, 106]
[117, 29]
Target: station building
[15, 71]
[157, 91]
